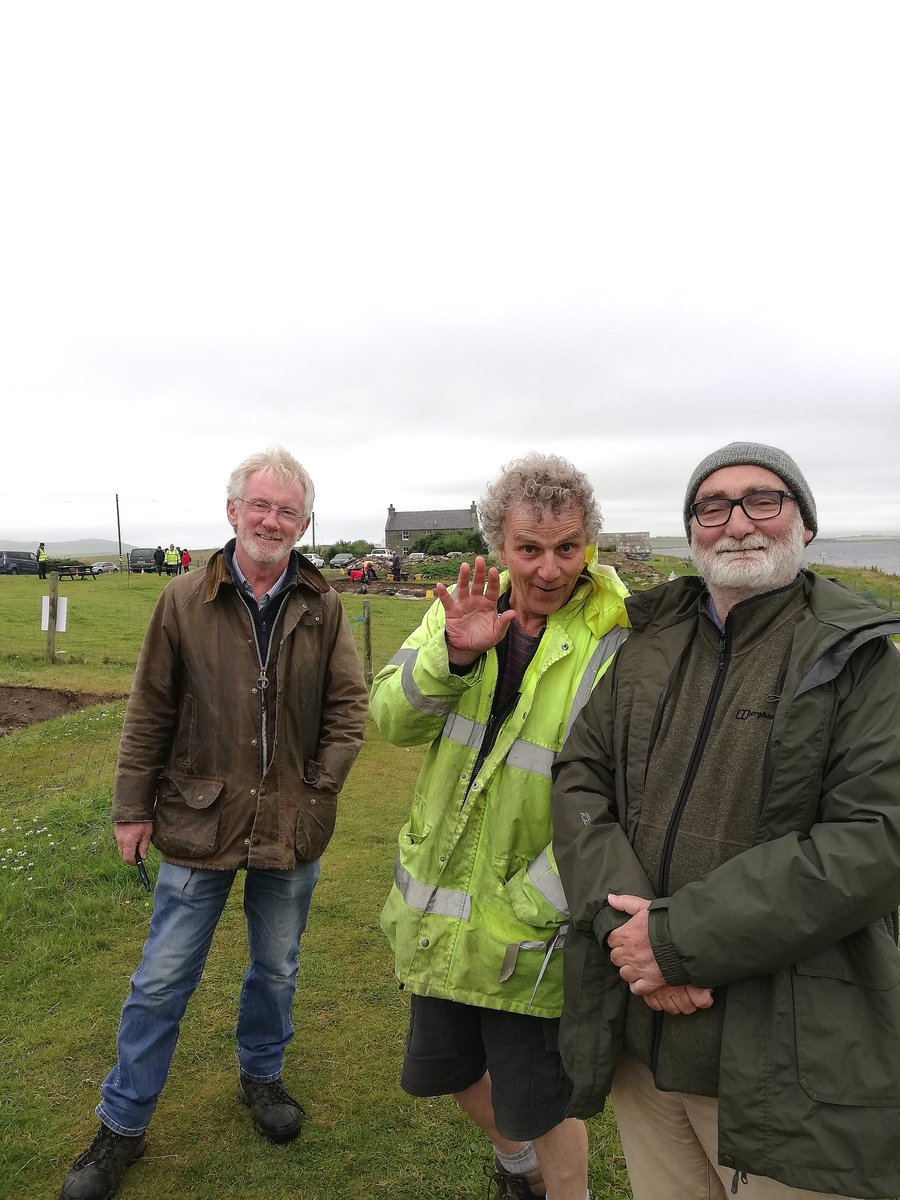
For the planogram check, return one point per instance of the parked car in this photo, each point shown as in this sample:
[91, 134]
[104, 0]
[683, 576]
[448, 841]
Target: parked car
[341, 562]
[381, 552]
[316, 559]
[416, 556]
[104, 568]
[141, 559]
[18, 562]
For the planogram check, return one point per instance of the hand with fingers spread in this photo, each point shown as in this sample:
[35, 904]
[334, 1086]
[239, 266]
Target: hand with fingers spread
[472, 622]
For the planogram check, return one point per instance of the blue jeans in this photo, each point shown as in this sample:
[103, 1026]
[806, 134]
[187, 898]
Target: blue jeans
[187, 904]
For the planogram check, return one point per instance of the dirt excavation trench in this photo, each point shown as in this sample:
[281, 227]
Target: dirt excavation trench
[24, 706]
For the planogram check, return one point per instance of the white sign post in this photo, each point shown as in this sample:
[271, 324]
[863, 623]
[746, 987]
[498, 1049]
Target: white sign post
[53, 615]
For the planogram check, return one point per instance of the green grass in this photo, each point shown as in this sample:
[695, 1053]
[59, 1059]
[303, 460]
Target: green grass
[73, 920]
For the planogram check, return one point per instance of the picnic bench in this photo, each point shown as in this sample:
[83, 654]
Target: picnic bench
[75, 571]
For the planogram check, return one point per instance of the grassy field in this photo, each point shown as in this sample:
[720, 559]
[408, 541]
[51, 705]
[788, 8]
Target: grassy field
[73, 919]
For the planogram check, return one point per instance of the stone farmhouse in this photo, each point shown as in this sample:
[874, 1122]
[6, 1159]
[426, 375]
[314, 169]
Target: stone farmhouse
[402, 529]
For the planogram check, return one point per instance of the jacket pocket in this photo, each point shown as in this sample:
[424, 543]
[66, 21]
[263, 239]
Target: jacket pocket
[847, 1019]
[186, 816]
[315, 823]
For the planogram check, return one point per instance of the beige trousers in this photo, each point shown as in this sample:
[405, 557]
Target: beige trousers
[670, 1141]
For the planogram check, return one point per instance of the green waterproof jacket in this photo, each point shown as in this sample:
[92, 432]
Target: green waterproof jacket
[476, 913]
[801, 927]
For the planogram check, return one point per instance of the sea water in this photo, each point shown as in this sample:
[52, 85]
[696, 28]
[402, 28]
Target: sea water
[881, 553]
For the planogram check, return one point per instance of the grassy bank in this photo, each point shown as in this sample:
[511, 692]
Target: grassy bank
[73, 919]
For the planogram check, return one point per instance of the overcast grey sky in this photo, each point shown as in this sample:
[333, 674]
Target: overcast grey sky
[413, 240]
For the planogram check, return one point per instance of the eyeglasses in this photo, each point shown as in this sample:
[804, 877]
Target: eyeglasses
[758, 506]
[289, 516]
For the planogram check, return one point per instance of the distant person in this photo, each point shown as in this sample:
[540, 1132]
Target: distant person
[369, 571]
[185, 560]
[159, 557]
[42, 561]
[178, 567]
[225, 775]
[172, 559]
[489, 682]
[726, 817]
[396, 566]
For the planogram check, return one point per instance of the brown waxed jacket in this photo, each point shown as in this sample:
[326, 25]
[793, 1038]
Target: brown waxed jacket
[191, 758]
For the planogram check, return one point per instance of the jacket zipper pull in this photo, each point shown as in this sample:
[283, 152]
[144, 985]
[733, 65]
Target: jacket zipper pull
[738, 1175]
[262, 683]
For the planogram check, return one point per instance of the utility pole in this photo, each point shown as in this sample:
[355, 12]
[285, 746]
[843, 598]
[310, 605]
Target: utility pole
[119, 531]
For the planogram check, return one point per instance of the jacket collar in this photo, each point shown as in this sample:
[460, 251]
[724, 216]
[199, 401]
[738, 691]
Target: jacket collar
[301, 573]
[598, 592]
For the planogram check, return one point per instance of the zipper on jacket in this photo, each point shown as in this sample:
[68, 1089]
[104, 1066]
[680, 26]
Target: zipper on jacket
[738, 1176]
[494, 724]
[692, 767]
[262, 681]
[662, 883]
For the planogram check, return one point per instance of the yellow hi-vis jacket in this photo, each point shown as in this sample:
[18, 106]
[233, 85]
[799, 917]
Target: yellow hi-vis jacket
[477, 912]
[173, 558]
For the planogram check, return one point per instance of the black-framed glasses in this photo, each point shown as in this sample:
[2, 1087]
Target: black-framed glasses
[262, 508]
[758, 506]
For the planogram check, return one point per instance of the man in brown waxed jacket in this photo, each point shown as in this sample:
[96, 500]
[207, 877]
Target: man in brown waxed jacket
[247, 711]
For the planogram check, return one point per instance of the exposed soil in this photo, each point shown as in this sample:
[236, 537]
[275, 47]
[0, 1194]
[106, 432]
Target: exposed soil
[23, 706]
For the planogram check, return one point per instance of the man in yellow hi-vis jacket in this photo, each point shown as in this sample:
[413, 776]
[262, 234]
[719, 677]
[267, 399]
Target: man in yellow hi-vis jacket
[492, 679]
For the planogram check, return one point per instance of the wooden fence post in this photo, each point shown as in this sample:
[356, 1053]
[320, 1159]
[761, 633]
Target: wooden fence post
[51, 616]
[367, 644]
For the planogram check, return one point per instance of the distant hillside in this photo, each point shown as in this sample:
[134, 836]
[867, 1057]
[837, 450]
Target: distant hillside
[88, 548]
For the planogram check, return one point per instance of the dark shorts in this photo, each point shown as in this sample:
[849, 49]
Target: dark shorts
[450, 1046]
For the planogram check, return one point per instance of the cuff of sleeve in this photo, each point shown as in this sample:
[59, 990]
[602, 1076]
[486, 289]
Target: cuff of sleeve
[606, 920]
[667, 957]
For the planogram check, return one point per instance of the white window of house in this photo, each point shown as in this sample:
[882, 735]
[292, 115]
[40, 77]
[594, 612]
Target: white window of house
[404, 536]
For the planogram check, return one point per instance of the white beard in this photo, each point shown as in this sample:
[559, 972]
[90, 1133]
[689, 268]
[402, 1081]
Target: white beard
[259, 549]
[774, 563]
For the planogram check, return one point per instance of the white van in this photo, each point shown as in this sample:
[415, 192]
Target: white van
[380, 552]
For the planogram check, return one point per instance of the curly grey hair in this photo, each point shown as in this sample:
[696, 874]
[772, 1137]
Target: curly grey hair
[278, 462]
[542, 481]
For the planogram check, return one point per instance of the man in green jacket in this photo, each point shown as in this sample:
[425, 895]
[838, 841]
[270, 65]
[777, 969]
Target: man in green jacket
[492, 679]
[727, 827]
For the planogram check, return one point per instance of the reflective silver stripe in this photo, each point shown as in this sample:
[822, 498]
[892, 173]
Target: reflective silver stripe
[403, 655]
[556, 941]
[606, 648]
[463, 730]
[547, 882]
[530, 757]
[405, 658]
[427, 899]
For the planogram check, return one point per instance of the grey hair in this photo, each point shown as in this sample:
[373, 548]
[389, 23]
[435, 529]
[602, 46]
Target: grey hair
[542, 481]
[278, 462]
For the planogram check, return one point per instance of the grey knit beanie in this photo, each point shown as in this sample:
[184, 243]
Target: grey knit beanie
[736, 454]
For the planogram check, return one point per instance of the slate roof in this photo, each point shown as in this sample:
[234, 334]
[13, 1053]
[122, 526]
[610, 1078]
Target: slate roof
[435, 518]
